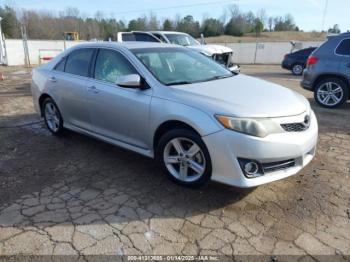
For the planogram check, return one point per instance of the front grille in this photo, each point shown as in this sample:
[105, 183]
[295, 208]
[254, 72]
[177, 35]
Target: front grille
[222, 58]
[295, 127]
[275, 166]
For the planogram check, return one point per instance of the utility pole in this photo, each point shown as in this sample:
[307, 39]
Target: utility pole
[25, 45]
[324, 15]
[3, 56]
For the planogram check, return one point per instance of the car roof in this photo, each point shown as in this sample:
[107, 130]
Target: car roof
[127, 45]
[341, 35]
[168, 32]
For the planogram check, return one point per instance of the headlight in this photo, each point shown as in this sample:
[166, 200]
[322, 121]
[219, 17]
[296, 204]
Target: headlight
[259, 127]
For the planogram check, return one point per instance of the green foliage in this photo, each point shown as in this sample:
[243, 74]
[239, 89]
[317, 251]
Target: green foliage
[259, 26]
[45, 25]
[284, 23]
[212, 27]
[168, 25]
[138, 24]
[9, 22]
[234, 27]
[189, 26]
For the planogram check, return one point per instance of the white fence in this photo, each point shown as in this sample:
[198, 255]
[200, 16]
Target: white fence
[15, 50]
[264, 53]
[244, 53]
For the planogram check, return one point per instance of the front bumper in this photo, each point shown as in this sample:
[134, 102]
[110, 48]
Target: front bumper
[226, 146]
[236, 69]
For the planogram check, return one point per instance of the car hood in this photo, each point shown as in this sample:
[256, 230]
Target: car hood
[211, 49]
[242, 96]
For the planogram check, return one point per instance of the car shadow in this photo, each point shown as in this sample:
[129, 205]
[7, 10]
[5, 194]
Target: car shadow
[331, 114]
[46, 176]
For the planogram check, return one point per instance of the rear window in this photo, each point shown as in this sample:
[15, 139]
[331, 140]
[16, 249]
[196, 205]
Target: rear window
[60, 65]
[78, 62]
[305, 52]
[343, 48]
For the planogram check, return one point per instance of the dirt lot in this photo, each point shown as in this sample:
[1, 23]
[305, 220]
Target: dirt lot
[269, 37]
[76, 195]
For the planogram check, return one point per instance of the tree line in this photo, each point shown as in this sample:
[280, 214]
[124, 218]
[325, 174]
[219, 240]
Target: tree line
[47, 25]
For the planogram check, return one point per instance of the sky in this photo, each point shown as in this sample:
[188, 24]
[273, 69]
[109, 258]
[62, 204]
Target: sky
[308, 14]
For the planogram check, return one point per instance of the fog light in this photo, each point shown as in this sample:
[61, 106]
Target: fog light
[251, 168]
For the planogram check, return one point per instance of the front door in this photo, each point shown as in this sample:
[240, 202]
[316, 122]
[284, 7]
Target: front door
[117, 112]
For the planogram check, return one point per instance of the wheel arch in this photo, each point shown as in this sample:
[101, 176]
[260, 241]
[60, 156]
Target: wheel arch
[41, 101]
[169, 125]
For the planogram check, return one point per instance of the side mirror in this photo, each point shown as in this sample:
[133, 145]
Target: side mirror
[132, 81]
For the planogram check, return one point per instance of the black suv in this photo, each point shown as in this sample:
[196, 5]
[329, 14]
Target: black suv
[327, 73]
[296, 61]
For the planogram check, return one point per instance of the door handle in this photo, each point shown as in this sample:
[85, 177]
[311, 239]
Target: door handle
[53, 79]
[93, 89]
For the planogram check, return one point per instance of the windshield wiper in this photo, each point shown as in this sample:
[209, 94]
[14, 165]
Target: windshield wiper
[216, 77]
[199, 81]
[179, 83]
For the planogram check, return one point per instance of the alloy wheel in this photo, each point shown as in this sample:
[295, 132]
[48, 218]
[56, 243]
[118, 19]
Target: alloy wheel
[298, 69]
[184, 159]
[52, 117]
[330, 94]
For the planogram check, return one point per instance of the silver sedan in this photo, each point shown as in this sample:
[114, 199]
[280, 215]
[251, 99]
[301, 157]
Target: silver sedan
[167, 102]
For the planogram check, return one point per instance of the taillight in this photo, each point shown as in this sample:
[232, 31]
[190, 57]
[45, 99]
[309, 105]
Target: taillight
[312, 60]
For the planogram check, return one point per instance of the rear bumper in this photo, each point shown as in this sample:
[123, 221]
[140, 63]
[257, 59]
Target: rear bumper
[306, 85]
[35, 95]
[308, 80]
[226, 146]
[286, 65]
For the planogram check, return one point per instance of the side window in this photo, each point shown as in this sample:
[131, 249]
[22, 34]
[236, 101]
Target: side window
[60, 65]
[344, 47]
[127, 37]
[78, 62]
[145, 37]
[159, 36]
[304, 52]
[111, 64]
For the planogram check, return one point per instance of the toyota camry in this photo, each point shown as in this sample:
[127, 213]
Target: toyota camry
[167, 102]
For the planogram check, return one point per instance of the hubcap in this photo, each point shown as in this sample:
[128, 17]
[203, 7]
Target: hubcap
[330, 94]
[298, 69]
[52, 117]
[184, 159]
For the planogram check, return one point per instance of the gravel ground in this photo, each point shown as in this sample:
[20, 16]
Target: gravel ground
[76, 195]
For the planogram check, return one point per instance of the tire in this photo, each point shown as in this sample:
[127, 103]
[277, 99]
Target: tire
[52, 117]
[334, 88]
[197, 166]
[297, 69]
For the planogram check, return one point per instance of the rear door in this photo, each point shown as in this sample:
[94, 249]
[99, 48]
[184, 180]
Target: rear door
[68, 82]
[117, 112]
[343, 50]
